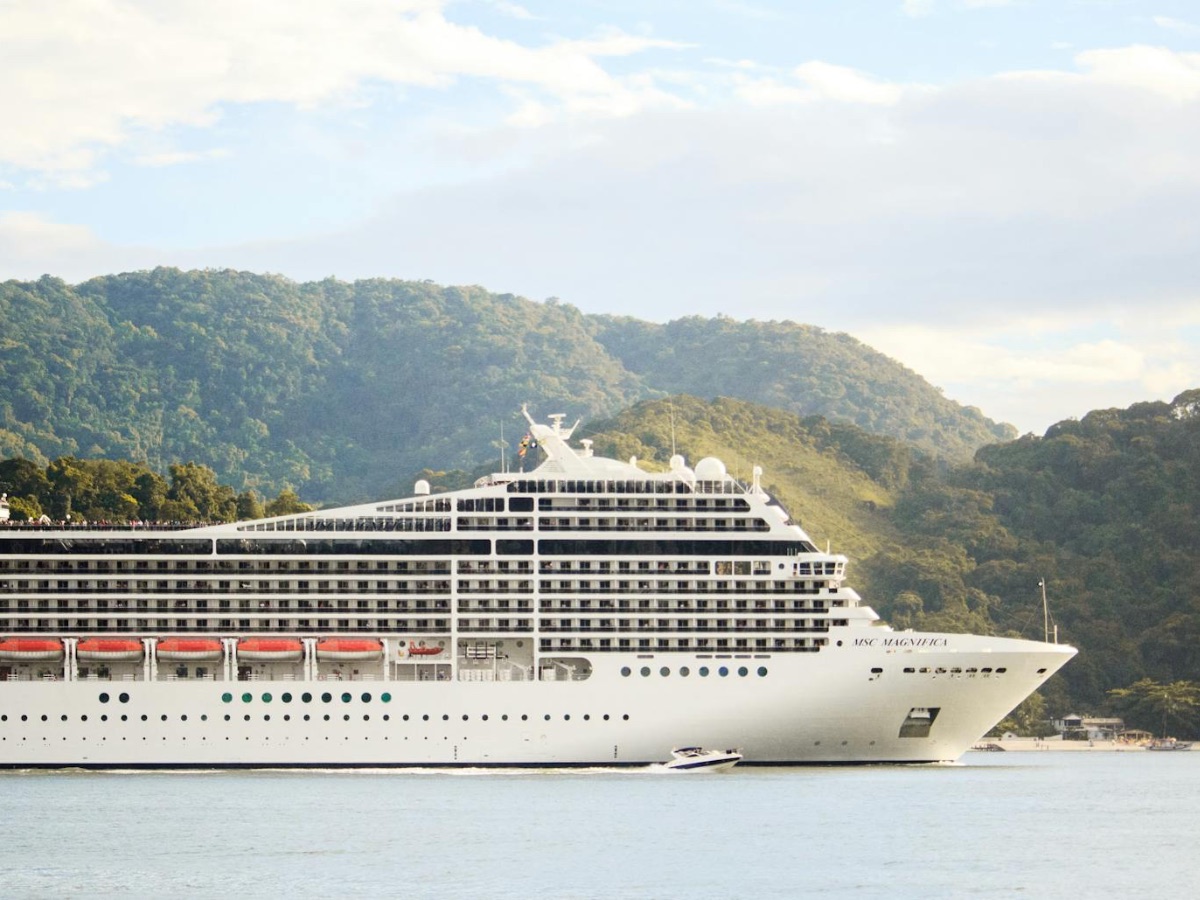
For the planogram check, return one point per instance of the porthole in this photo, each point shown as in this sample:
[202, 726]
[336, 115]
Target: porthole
[465, 717]
[524, 717]
[306, 697]
[645, 671]
[226, 717]
[287, 717]
[606, 717]
[425, 717]
[104, 718]
[625, 717]
[743, 671]
[684, 671]
[266, 698]
[347, 697]
[366, 718]
[405, 717]
[626, 671]
[246, 698]
[246, 717]
[346, 717]
[762, 671]
[547, 717]
[227, 698]
[586, 717]
[704, 671]
[664, 671]
[81, 718]
[307, 718]
[385, 697]
[64, 718]
[125, 718]
[326, 717]
[366, 698]
[266, 718]
[445, 717]
[723, 671]
[386, 718]
[326, 697]
[104, 698]
[124, 698]
[164, 717]
[484, 717]
[504, 717]
[285, 697]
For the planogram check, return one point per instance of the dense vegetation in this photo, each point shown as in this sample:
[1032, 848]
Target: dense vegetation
[1104, 509]
[343, 391]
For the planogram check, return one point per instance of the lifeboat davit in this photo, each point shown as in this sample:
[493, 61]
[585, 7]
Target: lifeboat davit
[420, 649]
[100, 650]
[188, 649]
[347, 650]
[269, 650]
[31, 649]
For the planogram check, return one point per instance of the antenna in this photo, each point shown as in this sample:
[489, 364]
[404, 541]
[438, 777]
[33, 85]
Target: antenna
[501, 445]
[1046, 614]
[671, 407]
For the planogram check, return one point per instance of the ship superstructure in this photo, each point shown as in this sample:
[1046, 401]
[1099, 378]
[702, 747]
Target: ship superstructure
[584, 613]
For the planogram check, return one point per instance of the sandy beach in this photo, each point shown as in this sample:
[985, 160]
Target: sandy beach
[1037, 745]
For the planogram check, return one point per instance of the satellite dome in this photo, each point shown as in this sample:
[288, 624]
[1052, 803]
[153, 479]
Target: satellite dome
[710, 469]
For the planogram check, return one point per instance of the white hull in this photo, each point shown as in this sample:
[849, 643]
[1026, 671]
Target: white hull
[826, 708]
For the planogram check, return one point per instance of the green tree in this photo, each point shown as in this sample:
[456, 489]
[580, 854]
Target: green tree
[196, 495]
[249, 506]
[1147, 702]
[286, 504]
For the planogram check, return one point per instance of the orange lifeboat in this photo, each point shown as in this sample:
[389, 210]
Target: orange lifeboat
[269, 650]
[347, 650]
[31, 649]
[415, 649]
[100, 650]
[188, 649]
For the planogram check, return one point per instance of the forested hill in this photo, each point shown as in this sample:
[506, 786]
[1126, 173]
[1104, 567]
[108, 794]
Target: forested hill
[343, 391]
[1105, 509]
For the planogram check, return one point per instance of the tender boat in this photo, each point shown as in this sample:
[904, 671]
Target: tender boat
[188, 649]
[101, 650]
[31, 649]
[270, 650]
[697, 759]
[344, 650]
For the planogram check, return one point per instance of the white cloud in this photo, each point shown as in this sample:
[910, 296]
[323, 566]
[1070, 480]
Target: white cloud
[819, 81]
[93, 74]
[1032, 377]
[917, 8]
[1177, 25]
[1157, 70]
[178, 157]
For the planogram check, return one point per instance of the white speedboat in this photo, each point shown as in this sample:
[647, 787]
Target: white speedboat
[697, 759]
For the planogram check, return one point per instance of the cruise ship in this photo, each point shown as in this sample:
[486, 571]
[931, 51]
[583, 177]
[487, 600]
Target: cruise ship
[584, 613]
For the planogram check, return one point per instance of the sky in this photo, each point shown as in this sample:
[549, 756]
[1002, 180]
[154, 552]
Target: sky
[1003, 195]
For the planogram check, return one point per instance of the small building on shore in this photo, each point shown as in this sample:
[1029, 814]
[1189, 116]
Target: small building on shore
[1089, 728]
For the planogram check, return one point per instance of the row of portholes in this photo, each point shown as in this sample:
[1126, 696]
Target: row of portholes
[504, 717]
[306, 697]
[703, 671]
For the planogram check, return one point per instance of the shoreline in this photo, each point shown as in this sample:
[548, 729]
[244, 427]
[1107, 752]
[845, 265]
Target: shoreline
[1058, 745]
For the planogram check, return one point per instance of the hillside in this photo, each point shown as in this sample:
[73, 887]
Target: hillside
[343, 391]
[1103, 509]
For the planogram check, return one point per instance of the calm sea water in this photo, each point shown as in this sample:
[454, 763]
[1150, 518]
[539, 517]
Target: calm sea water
[1041, 825]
